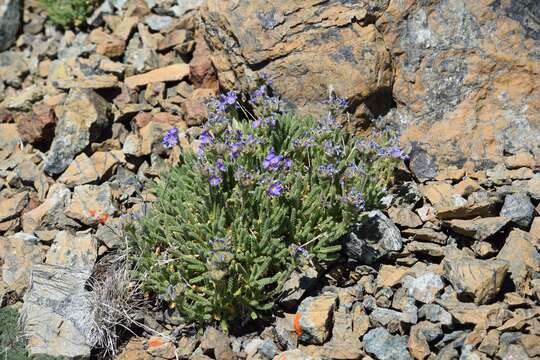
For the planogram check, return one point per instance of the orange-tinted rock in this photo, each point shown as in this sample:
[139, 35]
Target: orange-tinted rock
[202, 73]
[174, 72]
[305, 46]
[467, 80]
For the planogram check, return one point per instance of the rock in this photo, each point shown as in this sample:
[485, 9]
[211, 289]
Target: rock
[467, 186]
[161, 347]
[490, 343]
[11, 16]
[384, 346]
[18, 253]
[174, 72]
[425, 287]
[389, 318]
[73, 250]
[91, 204]
[389, 276]
[519, 209]
[48, 212]
[296, 286]
[425, 249]
[322, 44]
[9, 137]
[183, 6]
[76, 127]
[295, 354]
[84, 170]
[404, 217]
[531, 344]
[23, 100]
[314, 319]
[426, 234]
[421, 335]
[479, 229]
[493, 315]
[202, 73]
[135, 350]
[11, 207]
[38, 126]
[519, 160]
[57, 313]
[422, 165]
[157, 22]
[219, 343]
[478, 280]
[480, 203]
[435, 313]
[521, 255]
[454, 111]
[372, 238]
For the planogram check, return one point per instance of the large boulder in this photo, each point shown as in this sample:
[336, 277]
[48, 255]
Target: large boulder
[304, 46]
[467, 77]
[10, 22]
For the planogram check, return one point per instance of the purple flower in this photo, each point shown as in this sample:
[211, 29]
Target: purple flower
[287, 163]
[327, 170]
[302, 251]
[275, 188]
[355, 198]
[206, 137]
[214, 180]
[220, 165]
[255, 124]
[272, 160]
[260, 92]
[235, 148]
[171, 138]
[229, 98]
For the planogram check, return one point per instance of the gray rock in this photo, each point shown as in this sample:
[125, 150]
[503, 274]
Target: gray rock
[519, 208]
[316, 318]
[380, 343]
[183, 6]
[422, 164]
[81, 120]
[425, 287]
[385, 317]
[375, 236]
[435, 313]
[10, 22]
[296, 286]
[158, 22]
[56, 314]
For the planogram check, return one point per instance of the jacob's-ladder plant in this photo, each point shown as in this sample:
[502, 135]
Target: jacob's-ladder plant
[263, 192]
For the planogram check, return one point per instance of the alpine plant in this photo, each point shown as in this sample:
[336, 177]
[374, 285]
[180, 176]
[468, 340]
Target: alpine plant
[264, 192]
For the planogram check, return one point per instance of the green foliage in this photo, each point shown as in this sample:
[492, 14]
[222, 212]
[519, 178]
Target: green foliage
[233, 220]
[12, 346]
[68, 13]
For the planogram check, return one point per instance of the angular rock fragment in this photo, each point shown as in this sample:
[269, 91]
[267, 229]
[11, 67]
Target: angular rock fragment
[91, 204]
[519, 209]
[425, 287]
[372, 238]
[174, 72]
[314, 319]
[11, 16]
[81, 119]
[380, 343]
[479, 229]
[12, 206]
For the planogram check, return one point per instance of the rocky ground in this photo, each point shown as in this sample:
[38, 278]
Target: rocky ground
[451, 269]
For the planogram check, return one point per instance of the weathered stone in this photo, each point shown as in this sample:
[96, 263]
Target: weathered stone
[12, 206]
[217, 342]
[314, 319]
[18, 253]
[467, 186]
[84, 170]
[372, 238]
[57, 313]
[490, 343]
[435, 313]
[522, 256]
[157, 22]
[425, 287]
[492, 315]
[135, 349]
[425, 248]
[479, 280]
[426, 234]
[480, 203]
[389, 276]
[317, 44]
[37, 126]
[450, 77]
[519, 209]
[389, 318]
[296, 286]
[202, 73]
[91, 204]
[421, 335]
[48, 212]
[161, 347]
[11, 16]
[481, 228]
[295, 354]
[519, 160]
[81, 119]
[384, 346]
[23, 100]
[404, 217]
[174, 72]
[9, 137]
[73, 250]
